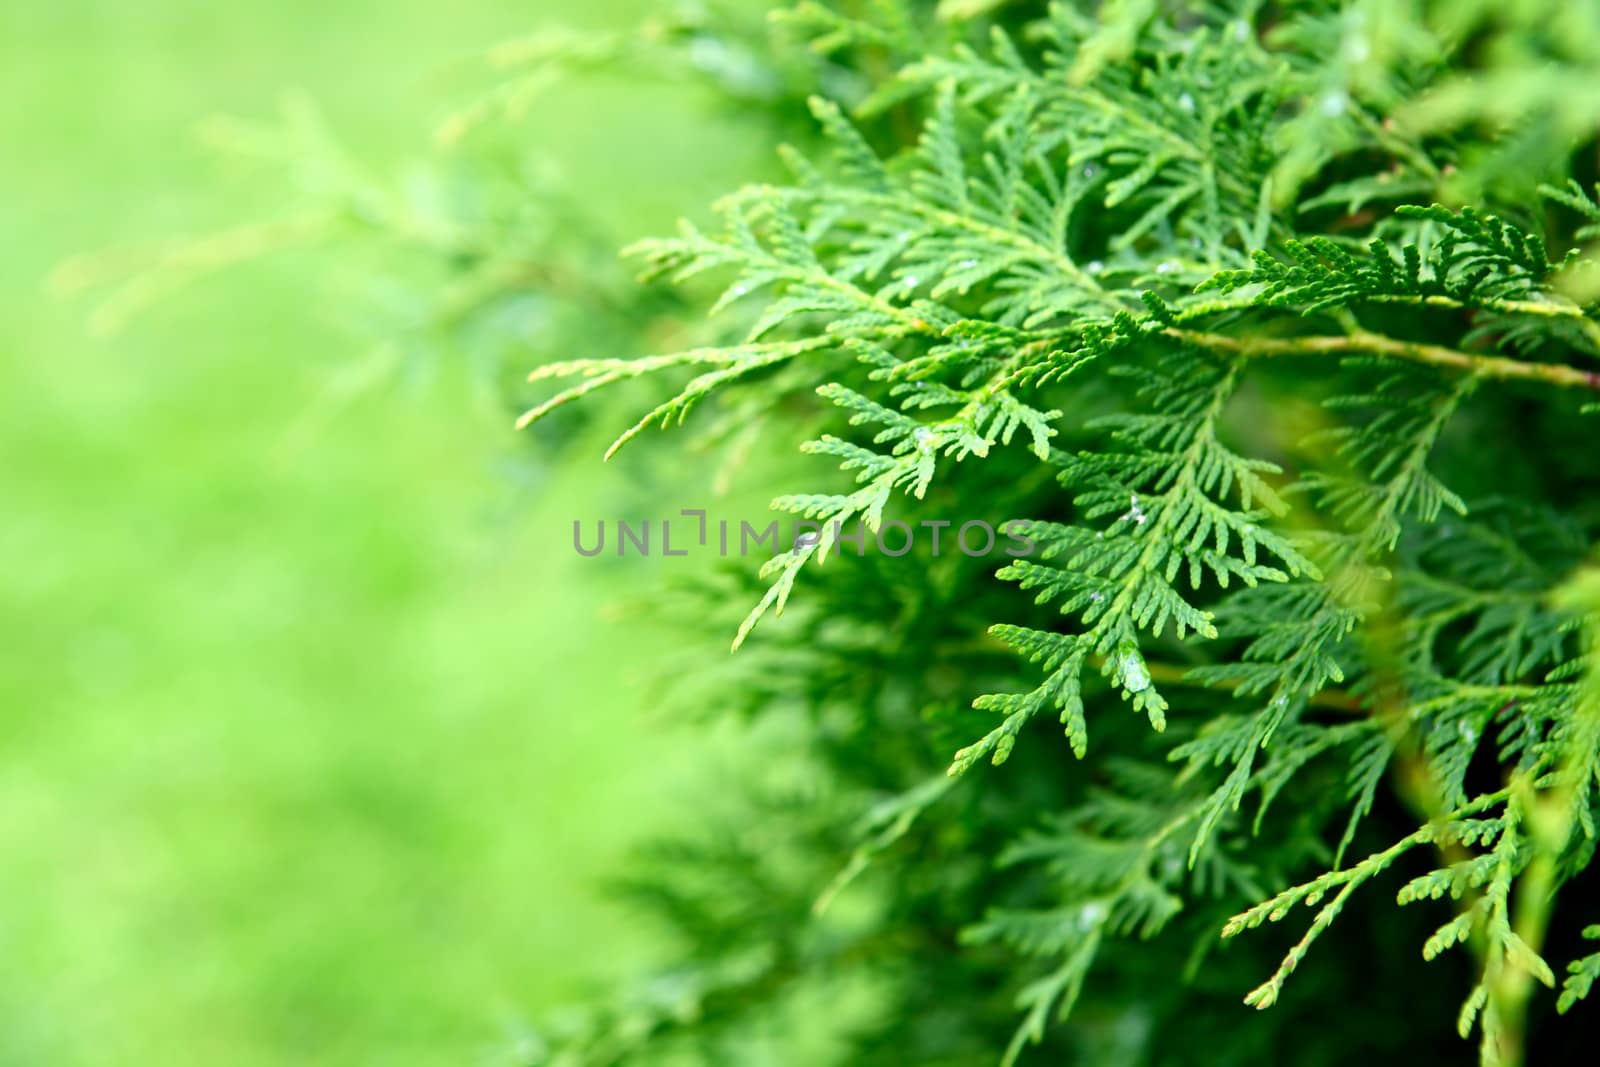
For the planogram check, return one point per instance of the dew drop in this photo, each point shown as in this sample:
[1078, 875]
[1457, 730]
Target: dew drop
[1334, 103]
[1135, 677]
[1186, 102]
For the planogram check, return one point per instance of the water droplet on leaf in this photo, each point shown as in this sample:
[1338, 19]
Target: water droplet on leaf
[1135, 676]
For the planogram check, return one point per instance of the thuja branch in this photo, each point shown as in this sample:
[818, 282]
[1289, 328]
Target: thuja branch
[1346, 880]
[1363, 341]
[1548, 310]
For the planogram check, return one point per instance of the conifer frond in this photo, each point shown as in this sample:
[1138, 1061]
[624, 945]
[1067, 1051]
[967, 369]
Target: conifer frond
[1176, 485]
[1470, 260]
[1342, 883]
[1115, 870]
[1581, 975]
[1299, 635]
[1523, 834]
[1178, 144]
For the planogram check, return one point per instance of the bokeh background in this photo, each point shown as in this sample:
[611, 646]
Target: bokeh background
[316, 736]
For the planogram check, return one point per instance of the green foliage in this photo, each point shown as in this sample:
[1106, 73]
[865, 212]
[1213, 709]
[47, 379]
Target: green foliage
[1237, 314]
[1049, 246]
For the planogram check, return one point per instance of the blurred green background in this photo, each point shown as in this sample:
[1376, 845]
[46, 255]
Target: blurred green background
[314, 741]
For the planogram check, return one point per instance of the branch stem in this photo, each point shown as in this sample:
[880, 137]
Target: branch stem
[1494, 367]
